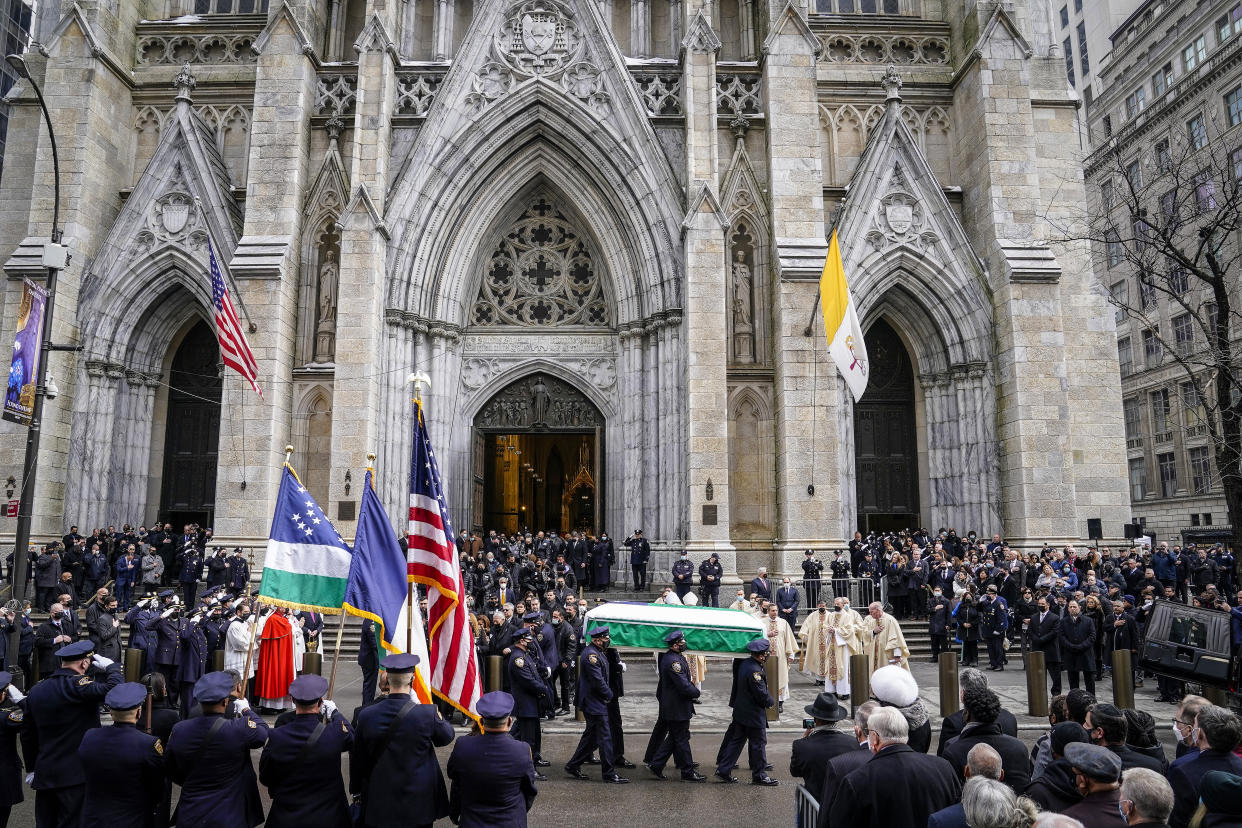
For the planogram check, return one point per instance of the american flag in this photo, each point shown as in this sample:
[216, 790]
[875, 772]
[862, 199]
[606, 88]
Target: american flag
[433, 561]
[234, 352]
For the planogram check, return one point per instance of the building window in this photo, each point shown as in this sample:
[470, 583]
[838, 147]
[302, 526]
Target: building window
[1233, 105]
[1113, 247]
[1183, 334]
[1200, 470]
[1083, 61]
[1147, 291]
[1069, 61]
[1125, 356]
[1230, 24]
[1134, 174]
[229, 6]
[1167, 463]
[1205, 192]
[1138, 479]
[1107, 196]
[1133, 410]
[1153, 353]
[1194, 518]
[1195, 53]
[1136, 102]
[1235, 164]
[1179, 280]
[1213, 316]
[1064, 16]
[1207, 518]
[1196, 133]
[1193, 413]
[1162, 80]
[1168, 208]
[1160, 409]
[1164, 156]
[1120, 292]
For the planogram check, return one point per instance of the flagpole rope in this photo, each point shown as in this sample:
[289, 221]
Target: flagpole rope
[814, 394]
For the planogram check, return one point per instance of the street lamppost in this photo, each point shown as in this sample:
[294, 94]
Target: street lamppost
[55, 257]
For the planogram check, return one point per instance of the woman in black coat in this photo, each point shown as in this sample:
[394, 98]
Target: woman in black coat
[1077, 638]
[966, 618]
[1024, 610]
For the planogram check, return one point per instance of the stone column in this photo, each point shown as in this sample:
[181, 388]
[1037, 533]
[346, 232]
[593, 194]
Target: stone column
[677, 428]
[650, 414]
[676, 25]
[100, 441]
[442, 43]
[630, 387]
[136, 467]
[698, 83]
[747, 26]
[640, 28]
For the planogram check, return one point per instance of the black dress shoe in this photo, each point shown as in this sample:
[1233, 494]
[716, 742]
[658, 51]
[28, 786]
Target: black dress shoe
[724, 777]
[693, 777]
[591, 760]
[658, 773]
[575, 773]
[625, 763]
[539, 777]
[766, 781]
[542, 763]
[616, 780]
[768, 767]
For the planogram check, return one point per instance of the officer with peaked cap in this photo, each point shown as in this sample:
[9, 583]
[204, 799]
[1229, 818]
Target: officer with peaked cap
[59, 711]
[121, 752]
[594, 693]
[301, 765]
[530, 694]
[676, 695]
[12, 725]
[209, 757]
[492, 774]
[393, 766]
[750, 700]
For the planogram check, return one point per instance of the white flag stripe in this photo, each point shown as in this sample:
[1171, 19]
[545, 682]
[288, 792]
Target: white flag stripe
[307, 558]
[427, 530]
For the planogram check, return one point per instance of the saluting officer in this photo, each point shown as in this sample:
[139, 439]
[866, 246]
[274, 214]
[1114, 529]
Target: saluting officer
[750, 700]
[301, 765]
[60, 710]
[530, 694]
[676, 694]
[393, 766]
[12, 725]
[594, 693]
[812, 569]
[209, 757]
[121, 752]
[493, 774]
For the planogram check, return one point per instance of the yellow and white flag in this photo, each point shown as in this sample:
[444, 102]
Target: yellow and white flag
[845, 337]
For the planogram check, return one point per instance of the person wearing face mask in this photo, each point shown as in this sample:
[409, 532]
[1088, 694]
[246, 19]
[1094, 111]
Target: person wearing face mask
[938, 622]
[1077, 640]
[740, 602]
[829, 639]
[1121, 632]
[594, 694]
[676, 695]
[567, 642]
[750, 700]
[1097, 776]
[683, 575]
[710, 573]
[787, 601]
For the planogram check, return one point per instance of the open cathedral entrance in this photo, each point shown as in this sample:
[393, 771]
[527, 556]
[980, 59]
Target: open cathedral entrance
[537, 459]
[192, 439]
[885, 450]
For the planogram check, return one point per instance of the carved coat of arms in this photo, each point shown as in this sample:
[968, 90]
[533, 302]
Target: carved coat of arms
[538, 33]
[900, 215]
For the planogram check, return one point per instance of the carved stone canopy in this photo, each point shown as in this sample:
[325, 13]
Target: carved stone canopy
[539, 402]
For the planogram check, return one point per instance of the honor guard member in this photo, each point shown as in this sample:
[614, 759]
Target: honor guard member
[121, 752]
[394, 755]
[840, 576]
[530, 694]
[301, 765]
[750, 701]
[12, 725]
[811, 572]
[594, 693]
[640, 554]
[548, 655]
[492, 774]
[676, 694]
[59, 711]
[209, 757]
[710, 573]
[683, 575]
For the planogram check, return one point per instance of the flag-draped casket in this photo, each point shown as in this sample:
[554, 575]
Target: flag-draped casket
[707, 629]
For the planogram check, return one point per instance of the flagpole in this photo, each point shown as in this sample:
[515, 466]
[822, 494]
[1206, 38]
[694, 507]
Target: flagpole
[336, 653]
[419, 379]
[254, 629]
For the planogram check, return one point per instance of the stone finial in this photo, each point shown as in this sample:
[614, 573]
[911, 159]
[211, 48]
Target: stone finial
[892, 85]
[185, 84]
[335, 126]
[740, 126]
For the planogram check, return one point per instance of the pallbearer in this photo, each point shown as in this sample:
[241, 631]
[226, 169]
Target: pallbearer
[676, 694]
[750, 701]
[594, 693]
[492, 774]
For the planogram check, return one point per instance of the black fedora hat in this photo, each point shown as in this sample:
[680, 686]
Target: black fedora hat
[826, 709]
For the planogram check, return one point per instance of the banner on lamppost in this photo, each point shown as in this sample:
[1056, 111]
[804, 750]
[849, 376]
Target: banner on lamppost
[24, 369]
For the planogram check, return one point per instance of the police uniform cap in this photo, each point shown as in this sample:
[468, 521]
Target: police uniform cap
[126, 696]
[6, 678]
[495, 705]
[213, 687]
[673, 636]
[400, 663]
[168, 593]
[78, 649]
[1221, 792]
[1093, 761]
[759, 645]
[596, 632]
[522, 634]
[533, 618]
[308, 688]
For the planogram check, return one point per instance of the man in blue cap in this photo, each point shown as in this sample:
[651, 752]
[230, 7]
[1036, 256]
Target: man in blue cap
[750, 701]
[12, 725]
[393, 766]
[594, 693]
[121, 752]
[209, 757]
[59, 711]
[530, 693]
[301, 765]
[492, 774]
[676, 695]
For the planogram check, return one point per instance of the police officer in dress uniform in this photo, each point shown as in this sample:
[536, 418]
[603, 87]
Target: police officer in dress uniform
[209, 757]
[811, 572]
[393, 767]
[123, 767]
[676, 695]
[683, 575]
[492, 774]
[594, 693]
[368, 660]
[301, 765]
[530, 694]
[750, 700]
[840, 577]
[59, 712]
[640, 554]
[710, 573]
[12, 725]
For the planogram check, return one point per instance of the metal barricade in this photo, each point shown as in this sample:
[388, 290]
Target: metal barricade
[806, 807]
[860, 591]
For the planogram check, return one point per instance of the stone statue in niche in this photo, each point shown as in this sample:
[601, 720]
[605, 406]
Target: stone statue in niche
[539, 399]
[743, 309]
[325, 324]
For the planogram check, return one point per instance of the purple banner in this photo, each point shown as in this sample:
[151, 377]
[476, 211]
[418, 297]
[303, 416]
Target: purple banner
[24, 370]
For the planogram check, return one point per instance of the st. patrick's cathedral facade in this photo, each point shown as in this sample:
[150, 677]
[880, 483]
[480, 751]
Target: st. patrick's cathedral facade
[597, 226]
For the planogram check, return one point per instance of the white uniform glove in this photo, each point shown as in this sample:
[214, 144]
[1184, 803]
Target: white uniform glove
[328, 708]
[101, 662]
[240, 706]
[30, 778]
[15, 694]
[621, 664]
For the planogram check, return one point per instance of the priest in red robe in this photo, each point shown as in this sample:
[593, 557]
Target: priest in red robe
[275, 672]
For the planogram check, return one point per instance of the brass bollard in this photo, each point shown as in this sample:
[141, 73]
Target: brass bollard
[1036, 684]
[217, 660]
[1123, 680]
[950, 698]
[494, 670]
[312, 663]
[772, 668]
[133, 664]
[860, 681]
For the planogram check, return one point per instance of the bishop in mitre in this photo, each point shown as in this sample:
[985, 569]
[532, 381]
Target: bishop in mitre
[828, 640]
[784, 648]
[885, 643]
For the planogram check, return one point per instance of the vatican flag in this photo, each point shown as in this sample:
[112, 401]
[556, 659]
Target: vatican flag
[845, 338]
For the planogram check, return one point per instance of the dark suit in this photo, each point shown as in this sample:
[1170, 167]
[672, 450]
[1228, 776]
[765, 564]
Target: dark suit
[1186, 778]
[12, 725]
[761, 587]
[898, 788]
[837, 769]
[530, 696]
[305, 785]
[1131, 758]
[953, 816]
[493, 781]
[593, 694]
[121, 752]
[671, 734]
[368, 660]
[407, 782]
[46, 646]
[218, 785]
[1014, 758]
[952, 726]
[810, 755]
[1077, 639]
[1045, 635]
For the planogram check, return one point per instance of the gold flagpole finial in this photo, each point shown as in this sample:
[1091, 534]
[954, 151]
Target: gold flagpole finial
[288, 454]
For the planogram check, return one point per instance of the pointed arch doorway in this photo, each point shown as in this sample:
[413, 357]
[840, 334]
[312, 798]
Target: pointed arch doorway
[885, 448]
[538, 459]
[192, 436]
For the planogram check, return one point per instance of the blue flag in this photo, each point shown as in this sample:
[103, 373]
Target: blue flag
[307, 560]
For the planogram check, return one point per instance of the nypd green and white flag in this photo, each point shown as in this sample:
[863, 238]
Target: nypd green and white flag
[307, 564]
